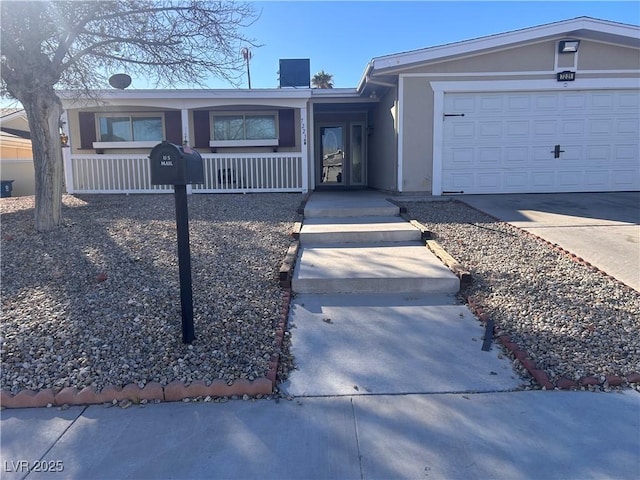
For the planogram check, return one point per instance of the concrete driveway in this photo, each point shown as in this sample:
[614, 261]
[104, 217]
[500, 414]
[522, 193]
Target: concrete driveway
[602, 228]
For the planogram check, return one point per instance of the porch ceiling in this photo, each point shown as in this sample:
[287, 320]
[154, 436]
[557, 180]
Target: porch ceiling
[343, 107]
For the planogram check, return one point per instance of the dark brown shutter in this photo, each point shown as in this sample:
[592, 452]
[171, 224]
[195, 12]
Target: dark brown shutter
[87, 123]
[173, 126]
[201, 129]
[287, 128]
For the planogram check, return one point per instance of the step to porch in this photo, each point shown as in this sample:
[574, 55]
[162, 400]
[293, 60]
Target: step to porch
[323, 230]
[349, 204]
[371, 268]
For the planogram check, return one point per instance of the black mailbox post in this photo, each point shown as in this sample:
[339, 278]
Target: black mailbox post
[178, 166]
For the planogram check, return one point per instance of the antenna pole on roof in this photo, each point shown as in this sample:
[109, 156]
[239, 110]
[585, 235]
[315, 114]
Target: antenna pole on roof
[246, 54]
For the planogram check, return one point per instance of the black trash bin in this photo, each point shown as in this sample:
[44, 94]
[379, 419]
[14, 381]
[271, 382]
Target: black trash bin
[7, 188]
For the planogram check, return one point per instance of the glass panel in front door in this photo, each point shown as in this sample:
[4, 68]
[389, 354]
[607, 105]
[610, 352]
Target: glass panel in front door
[332, 148]
[357, 154]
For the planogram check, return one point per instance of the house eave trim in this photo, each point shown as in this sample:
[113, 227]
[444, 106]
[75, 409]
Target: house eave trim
[501, 40]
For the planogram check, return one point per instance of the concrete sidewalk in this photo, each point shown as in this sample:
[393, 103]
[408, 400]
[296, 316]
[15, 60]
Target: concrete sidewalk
[513, 435]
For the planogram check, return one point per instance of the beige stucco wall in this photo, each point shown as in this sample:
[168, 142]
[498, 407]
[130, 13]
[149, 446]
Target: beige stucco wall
[417, 135]
[536, 57]
[383, 144]
[603, 56]
[526, 63]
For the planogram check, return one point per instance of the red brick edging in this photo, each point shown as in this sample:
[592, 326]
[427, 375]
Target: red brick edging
[540, 375]
[153, 391]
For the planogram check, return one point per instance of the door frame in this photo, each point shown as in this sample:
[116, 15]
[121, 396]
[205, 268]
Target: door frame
[346, 120]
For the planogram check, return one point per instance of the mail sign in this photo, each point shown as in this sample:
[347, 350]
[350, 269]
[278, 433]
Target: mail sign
[566, 76]
[175, 165]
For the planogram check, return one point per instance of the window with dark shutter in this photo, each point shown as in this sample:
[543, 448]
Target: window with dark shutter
[87, 124]
[201, 128]
[287, 128]
[173, 126]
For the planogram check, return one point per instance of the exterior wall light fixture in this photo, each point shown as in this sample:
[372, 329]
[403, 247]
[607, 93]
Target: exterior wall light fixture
[568, 46]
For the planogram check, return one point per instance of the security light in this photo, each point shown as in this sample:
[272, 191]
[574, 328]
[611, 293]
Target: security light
[568, 46]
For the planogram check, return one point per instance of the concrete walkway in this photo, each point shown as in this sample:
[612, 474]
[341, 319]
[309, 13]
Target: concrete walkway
[388, 386]
[375, 311]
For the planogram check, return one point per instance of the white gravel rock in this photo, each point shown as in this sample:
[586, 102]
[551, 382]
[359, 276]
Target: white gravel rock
[572, 320]
[97, 302]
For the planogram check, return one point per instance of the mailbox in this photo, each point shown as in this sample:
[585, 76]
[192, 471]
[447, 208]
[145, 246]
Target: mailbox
[175, 165]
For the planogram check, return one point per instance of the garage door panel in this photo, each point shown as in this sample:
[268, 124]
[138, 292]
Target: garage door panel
[516, 155]
[489, 181]
[463, 103]
[489, 157]
[545, 126]
[542, 181]
[491, 131]
[629, 101]
[464, 131]
[601, 126]
[548, 102]
[459, 181]
[624, 179]
[517, 129]
[628, 127]
[490, 104]
[514, 182]
[602, 102]
[596, 178]
[598, 154]
[569, 179]
[572, 128]
[574, 102]
[462, 157]
[572, 155]
[505, 142]
[626, 155]
[540, 156]
[519, 103]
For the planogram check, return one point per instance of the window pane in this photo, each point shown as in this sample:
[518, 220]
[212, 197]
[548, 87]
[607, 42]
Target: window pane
[147, 129]
[260, 127]
[228, 128]
[115, 129]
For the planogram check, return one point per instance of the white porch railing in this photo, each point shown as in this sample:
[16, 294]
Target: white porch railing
[249, 172]
[252, 172]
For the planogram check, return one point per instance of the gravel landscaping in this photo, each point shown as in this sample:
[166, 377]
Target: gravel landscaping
[97, 302]
[573, 321]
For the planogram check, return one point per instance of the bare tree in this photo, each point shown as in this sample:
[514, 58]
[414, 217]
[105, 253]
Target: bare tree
[75, 45]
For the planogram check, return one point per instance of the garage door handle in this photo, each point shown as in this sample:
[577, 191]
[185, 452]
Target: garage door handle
[556, 151]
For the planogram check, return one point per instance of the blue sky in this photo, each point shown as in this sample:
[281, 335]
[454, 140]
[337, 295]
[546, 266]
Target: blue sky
[341, 37]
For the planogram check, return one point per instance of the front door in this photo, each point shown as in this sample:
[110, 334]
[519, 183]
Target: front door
[340, 154]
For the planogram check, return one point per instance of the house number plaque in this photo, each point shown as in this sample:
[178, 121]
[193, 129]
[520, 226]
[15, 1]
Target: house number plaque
[566, 76]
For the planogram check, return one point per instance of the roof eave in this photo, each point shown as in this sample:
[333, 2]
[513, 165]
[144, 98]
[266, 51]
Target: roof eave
[188, 94]
[467, 47]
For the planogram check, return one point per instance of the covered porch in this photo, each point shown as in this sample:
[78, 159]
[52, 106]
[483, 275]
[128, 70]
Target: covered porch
[249, 140]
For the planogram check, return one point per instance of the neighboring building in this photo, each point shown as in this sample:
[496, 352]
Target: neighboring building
[16, 158]
[553, 108]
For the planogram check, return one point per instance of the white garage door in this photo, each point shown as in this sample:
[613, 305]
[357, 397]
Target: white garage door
[506, 142]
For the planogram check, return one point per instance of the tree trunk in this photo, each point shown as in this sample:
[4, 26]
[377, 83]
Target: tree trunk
[43, 109]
